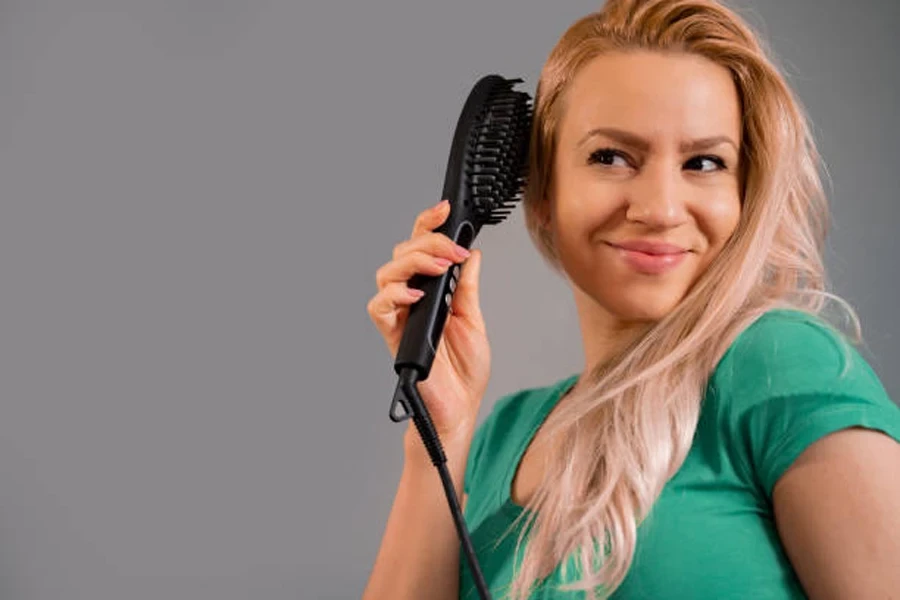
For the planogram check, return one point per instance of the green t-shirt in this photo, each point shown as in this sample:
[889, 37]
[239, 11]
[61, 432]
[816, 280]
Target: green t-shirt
[711, 533]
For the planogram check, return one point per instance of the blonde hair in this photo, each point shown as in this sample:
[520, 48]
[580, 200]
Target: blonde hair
[627, 432]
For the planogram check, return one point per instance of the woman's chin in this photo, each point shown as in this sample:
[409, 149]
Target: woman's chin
[632, 301]
[644, 308]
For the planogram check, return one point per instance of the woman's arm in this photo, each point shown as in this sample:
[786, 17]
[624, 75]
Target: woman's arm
[837, 510]
[419, 554]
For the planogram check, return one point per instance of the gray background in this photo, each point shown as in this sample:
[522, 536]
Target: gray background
[196, 196]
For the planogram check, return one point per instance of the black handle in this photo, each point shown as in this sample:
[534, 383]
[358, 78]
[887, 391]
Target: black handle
[428, 316]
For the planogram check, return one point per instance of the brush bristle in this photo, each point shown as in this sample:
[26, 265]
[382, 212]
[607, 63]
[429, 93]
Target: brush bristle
[498, 152]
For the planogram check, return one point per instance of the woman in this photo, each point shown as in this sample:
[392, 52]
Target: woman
[723, 440]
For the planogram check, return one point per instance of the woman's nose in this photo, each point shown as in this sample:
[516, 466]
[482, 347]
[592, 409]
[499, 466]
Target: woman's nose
[656, 198]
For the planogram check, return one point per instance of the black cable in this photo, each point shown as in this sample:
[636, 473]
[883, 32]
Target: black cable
[463, 531]
[408, 395]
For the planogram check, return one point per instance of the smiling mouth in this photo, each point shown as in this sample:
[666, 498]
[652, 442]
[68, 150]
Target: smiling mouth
[647, 263]
[651, 248]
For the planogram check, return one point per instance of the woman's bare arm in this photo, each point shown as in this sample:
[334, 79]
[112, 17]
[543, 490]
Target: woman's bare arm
[419, 553]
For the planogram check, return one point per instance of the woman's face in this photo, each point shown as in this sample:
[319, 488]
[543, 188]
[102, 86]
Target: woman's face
[647, 153]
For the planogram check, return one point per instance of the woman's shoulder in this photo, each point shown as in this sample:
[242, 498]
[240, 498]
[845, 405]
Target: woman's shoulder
[790, 333]
[510, 408]
[787, 380]
[788, 352]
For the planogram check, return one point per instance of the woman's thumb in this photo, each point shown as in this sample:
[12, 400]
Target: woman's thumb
[466, 302]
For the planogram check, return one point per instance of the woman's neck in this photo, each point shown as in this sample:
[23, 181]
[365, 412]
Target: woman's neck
[603, 334]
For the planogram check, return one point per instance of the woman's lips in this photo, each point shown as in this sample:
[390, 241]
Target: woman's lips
[650, 264]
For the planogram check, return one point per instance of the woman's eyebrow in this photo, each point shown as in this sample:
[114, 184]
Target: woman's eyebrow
[639, 143]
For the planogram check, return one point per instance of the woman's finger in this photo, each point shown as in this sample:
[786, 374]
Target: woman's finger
[410, 264]
[434, 243]
[385, 307]
[430, 219]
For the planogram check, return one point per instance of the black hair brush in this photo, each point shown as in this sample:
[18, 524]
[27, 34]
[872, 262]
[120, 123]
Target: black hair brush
[485, 172]
[484, 178]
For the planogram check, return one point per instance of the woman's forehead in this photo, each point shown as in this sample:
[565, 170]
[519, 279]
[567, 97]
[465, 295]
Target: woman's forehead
[659, 96]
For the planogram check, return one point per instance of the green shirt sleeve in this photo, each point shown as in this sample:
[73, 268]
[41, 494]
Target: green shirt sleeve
[788, 380]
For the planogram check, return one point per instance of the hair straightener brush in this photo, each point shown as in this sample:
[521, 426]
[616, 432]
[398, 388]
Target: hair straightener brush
[484, 179]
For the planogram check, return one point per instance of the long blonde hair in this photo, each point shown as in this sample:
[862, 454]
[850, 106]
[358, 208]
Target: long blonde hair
[627, 432]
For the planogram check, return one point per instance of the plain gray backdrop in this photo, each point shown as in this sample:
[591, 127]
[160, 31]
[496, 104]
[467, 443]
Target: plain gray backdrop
[196, 197]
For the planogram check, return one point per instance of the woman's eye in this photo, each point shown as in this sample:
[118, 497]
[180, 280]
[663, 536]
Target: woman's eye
[718, 163]
[604, 156]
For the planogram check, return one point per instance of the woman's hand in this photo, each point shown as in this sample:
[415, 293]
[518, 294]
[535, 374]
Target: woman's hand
[461, 368]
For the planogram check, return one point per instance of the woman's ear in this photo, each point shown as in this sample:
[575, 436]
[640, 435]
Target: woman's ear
[541, 212]
[544, 218]
[545, 213]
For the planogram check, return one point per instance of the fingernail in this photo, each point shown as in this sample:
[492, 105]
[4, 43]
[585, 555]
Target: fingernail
[440, 205]
[443, 262]
[462, 252]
